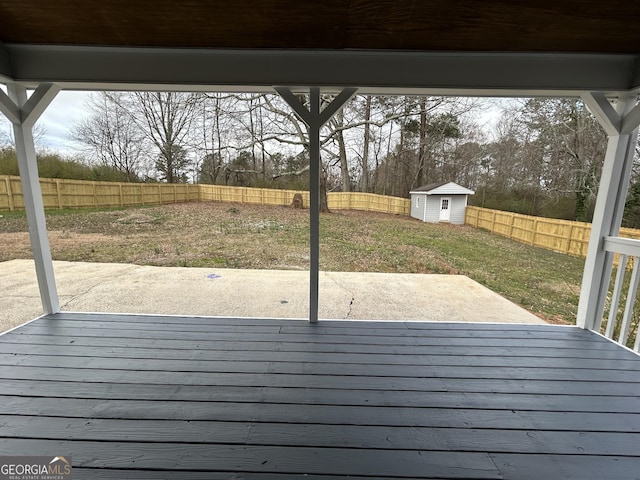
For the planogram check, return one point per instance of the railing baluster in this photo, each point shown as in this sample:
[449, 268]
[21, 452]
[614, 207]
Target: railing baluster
[627, 248]
[615, 298]
[631, 297]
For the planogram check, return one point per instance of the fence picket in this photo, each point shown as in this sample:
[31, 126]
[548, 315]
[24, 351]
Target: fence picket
[548, 233]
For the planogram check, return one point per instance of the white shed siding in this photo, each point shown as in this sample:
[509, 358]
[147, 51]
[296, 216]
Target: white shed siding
[458, 209]
[426, 207]
[418, 205]
[433, 209]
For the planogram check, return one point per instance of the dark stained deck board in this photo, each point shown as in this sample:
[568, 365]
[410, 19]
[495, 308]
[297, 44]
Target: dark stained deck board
[193, 397]
[479, 349]
[304, 333]
[536, 467]
[370, 341]
[361, 368]
[117, 474]
[300, 328]
[477, 387]
[222, 356]
[315, 376]
[324, 436]
[599, 395]
[249, 321]
[385, 416]
[230, 458]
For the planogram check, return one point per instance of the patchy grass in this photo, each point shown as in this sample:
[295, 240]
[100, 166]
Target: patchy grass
[249, 236]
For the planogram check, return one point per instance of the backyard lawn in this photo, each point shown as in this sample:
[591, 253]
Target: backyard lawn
[249, 236]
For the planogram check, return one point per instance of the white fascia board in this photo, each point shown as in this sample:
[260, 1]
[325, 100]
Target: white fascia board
[384, 72]
[635, 81]
[6, 71]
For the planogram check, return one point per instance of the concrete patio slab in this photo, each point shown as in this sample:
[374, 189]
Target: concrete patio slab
[122, 288]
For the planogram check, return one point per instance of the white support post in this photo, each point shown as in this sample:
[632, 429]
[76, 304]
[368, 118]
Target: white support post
[314, 118]
[621, 124]
[23, 113]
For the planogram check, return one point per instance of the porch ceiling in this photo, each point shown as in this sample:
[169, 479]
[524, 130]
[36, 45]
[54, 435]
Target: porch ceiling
[433, 25]
[560, 43]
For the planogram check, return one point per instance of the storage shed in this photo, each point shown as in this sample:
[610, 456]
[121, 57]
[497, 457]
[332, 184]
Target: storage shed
[440, 202]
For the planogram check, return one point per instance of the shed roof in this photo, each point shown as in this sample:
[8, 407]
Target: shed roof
[443, 188]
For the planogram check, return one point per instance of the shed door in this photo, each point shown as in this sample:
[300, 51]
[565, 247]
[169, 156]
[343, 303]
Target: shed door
[445, 209]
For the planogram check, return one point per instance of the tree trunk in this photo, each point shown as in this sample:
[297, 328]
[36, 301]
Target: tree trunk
[324, 204]
[364, 180]
[423, 173]
[342, 153]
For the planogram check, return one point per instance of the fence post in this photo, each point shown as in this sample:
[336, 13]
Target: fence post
[141, 195]
[493, 222]
[9, 194]
[511, 222]
[121, 196]
[569, 238]
[59, 194]
[533, 233]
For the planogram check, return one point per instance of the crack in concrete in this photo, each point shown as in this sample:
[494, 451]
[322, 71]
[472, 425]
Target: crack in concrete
[353, 299]
[350, 292]
[77, 296]
[92, 287]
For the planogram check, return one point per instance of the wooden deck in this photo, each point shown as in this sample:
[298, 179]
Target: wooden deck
[151, 397]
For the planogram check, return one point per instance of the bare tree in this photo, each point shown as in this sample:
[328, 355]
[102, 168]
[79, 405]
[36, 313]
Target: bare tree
[167, 117]
[364, 179]
[6, 134]
[111, 135]
[569, 145]
[212, 139]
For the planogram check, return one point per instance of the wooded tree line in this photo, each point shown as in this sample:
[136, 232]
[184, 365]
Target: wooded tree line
[541, 156]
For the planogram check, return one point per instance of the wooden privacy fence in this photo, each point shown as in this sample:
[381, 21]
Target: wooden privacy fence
[562, 236]
[368, 202]
[60, 193]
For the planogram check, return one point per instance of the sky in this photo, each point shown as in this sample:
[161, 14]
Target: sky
[58, 120]
[67, 109]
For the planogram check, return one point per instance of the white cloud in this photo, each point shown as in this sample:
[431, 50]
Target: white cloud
[58, 119]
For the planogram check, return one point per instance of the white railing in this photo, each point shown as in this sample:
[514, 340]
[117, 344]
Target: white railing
[629, 253]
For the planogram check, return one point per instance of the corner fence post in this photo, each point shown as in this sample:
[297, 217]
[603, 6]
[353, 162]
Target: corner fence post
[10, 202]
